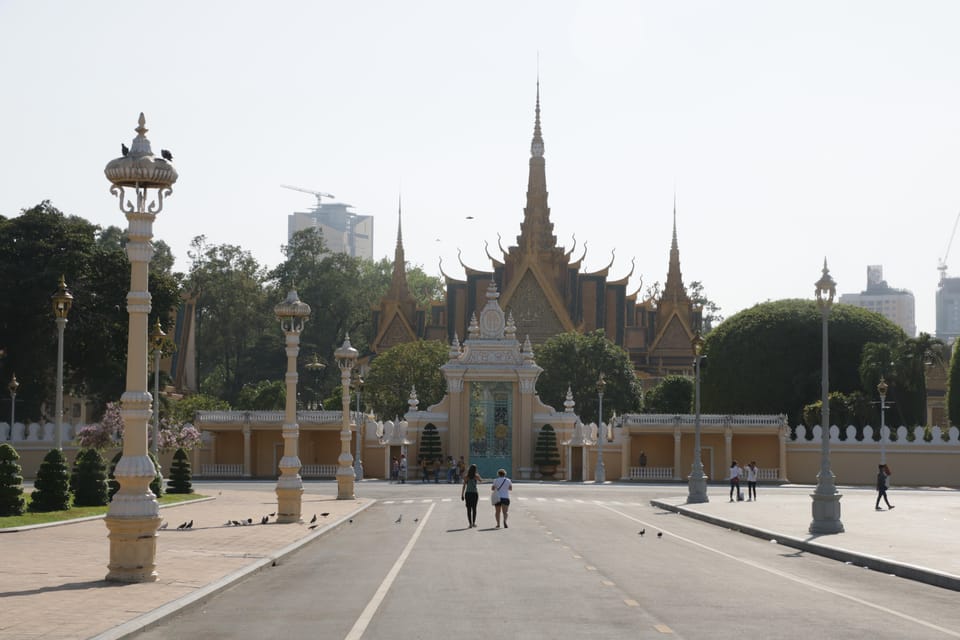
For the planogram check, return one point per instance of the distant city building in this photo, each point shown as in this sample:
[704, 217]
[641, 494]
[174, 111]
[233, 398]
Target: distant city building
[343, 231]
[948, 309]
[896, 305]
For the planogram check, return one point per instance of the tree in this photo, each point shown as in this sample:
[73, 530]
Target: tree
[766, 359]
[51, 489]
[237, 339]
[180, 474]
[400, 368]
[953, 391]
[673, 394]
[11, 482]
[575, 361]
[430, 444]
[90, 480]
[183, 410]
[263, 395]
[36, 248]
[545, 453]
[709, 309]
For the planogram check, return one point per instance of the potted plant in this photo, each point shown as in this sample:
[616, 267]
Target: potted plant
[545, 455]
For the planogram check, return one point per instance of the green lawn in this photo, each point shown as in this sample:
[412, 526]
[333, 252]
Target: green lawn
[29, 518]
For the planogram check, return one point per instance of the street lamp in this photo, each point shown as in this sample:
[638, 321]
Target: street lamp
[697, 483]
[315, 367]
[346, 357]
[882, 389]
[134, 515]
[292, 314]
[600, 475]
[826, 500]
[156, 338]
[62, 300]
[358, 462]
[13, 386]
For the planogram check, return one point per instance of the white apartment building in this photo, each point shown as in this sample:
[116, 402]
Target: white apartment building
[896, 305]
[343, 231]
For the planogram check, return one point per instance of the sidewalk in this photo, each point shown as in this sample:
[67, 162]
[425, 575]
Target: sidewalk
[51, 578]
[915, 540]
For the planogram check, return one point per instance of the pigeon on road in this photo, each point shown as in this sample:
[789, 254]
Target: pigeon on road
[325, 514]
[313, 519]
[264, 519]
[164, 525]
[659, 534]
[642, 531]
[189, 525]
[182, 526]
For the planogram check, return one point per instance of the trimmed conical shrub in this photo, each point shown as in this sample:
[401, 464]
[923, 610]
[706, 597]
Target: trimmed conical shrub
[11, 482]
[90, 479]
[545, 455]
[112, 483]
[51, 489]
[430, 444]
[180, 474]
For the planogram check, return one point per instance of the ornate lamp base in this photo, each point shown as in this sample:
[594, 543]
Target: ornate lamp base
[133, 549]
[697, 489]
[826, 514]
[288, 504]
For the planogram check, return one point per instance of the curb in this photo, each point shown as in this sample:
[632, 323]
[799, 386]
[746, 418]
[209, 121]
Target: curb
[61, 523]
[900, 569]
[141, 622]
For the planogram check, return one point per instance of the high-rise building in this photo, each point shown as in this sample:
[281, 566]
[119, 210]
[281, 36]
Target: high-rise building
[948, 309]
[896, 305]
[343, 231]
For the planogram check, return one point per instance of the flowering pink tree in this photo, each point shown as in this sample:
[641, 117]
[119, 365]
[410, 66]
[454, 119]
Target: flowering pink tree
[104, 434]
[109, 433]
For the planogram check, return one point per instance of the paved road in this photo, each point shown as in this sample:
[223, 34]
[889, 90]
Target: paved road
[571, 565]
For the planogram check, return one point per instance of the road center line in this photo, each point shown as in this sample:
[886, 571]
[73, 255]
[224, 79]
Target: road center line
[361, 624]
[788, 576]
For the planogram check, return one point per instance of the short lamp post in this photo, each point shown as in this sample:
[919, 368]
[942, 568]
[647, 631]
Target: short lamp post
[134, 515]
[600, 474]
[315, 367]
[826, 500]
[882, 388]
[697, 483]
[156, 339]
[358, 462]
[62, 300]
[13, 386]
[292, 314]
[346, 357]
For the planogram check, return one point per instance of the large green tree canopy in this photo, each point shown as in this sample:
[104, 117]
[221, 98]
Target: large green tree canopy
[395, 371]
[575, 360]
[36, 248]
[766, 359]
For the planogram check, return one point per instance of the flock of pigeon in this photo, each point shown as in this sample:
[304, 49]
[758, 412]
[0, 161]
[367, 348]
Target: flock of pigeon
[249, 521]
[166, 155]
[643, 532]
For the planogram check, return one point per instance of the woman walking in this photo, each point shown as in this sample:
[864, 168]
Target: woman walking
[503, 487]
[469, 494]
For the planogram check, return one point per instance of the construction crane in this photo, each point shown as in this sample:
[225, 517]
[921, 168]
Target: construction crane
[942, 263]
[319, 194]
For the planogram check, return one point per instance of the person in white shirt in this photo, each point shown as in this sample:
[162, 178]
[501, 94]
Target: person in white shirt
[503, 487]
[735, 473]
[752, 473]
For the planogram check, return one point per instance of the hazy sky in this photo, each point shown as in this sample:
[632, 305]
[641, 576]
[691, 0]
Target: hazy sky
[788, 131]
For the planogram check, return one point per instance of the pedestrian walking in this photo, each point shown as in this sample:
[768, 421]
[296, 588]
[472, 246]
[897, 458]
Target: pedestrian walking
[752, 473]
[470, 495]
[436, 471]
[883, 483]
[735, 473]
[424, 470]
[502, 486]
[395, 470]
[403, 468]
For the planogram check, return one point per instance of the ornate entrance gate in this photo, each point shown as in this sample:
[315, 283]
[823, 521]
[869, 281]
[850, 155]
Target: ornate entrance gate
[491, 426]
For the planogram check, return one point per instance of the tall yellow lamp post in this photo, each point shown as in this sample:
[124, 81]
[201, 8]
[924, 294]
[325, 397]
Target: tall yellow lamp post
[292, 314]
[346, 357]
[134, 515]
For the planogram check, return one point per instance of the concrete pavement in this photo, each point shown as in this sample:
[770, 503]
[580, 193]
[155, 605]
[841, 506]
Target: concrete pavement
[916, 540]
[51, 579]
